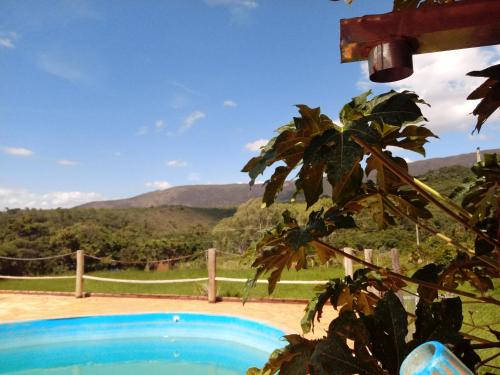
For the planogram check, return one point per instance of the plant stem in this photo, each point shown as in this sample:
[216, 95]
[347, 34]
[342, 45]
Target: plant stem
[423, 191]
[440, 235]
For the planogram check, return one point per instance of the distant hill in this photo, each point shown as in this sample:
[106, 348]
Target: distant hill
[209, 196]
[232, 195]
[465, 160]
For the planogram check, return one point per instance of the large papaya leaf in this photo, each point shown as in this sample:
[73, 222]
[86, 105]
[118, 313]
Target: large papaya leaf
[315, 307]
[292, 359]
[332, 356]
[325, 148]
[288, 147]
[352, 294]
[482, 201]
[488, 92]
[287, 246]
[429, 273]
[463, 269]
[388, 327]
[386, 180]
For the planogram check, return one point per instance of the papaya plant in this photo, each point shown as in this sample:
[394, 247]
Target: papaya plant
[355, 157]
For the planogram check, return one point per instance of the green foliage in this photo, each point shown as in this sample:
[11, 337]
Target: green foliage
[137, 234]
[376, 323]
[488, 92]
[389, 119]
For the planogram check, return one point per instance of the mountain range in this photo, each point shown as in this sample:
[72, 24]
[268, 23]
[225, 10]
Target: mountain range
[232, 195]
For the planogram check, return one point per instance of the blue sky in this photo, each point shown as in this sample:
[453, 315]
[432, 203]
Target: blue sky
[109, 99]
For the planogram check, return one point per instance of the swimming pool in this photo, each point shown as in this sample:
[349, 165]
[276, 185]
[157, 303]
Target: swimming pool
[165, 343]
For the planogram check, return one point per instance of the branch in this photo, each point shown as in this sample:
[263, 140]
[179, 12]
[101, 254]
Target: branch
[440, 235]
[418, 186]
[486, 346]
[372, 266]
[484, 361]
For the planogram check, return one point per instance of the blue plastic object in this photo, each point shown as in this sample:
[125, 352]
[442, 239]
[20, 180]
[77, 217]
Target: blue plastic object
[433, 358]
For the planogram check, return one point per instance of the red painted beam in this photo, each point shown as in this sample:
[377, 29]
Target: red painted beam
[463, 24]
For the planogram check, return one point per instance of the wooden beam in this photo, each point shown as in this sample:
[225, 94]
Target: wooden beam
[464, 24]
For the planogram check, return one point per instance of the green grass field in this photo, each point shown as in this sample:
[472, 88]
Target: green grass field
[225, 289]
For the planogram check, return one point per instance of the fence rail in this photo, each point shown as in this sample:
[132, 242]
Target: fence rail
[36, 277]
[131, 281]
[211, 278]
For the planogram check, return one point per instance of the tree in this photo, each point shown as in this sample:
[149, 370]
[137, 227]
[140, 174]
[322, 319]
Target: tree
[375, 322]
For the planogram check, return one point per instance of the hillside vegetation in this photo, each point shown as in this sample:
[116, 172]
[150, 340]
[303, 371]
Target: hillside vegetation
[142, 234]
[136, 234]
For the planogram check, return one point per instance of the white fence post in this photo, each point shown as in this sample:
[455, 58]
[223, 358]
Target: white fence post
[80, 265]
[348, 262]
[369, 255]
[369, 259]
[212, 284]
[396, 267]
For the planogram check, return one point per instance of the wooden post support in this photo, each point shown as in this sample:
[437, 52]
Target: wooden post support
[348, 262]
[212, 284]
[396, 267]
[80, 266]
[369, 255]
[369, 259]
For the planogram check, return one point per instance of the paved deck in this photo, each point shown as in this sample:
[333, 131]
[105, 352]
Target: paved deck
[19, 307]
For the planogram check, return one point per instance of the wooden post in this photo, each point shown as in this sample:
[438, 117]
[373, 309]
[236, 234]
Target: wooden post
[348, 262]
[212, 284]
[80, 265]
[369, 259]
[396, 267]
[369, 255]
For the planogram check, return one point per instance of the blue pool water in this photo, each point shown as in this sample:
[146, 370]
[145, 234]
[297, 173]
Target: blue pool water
[137, 344]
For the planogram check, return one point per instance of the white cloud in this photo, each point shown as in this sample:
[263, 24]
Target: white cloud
[17, 151]
[248, 4]
[22, 198]
[67, 163]
[159, 125]
[229, 103]
[61, 69]
[194, 177]
[256, 145]
[190, 120]
[159, 185]
[240, 10]
[143, 130]
[184, 88]
[7, 40]
[440, 79]
[179, 100]
[176, 163]
[479, 137]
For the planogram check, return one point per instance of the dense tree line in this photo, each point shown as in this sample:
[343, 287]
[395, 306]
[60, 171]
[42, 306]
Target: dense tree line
[137, 234]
